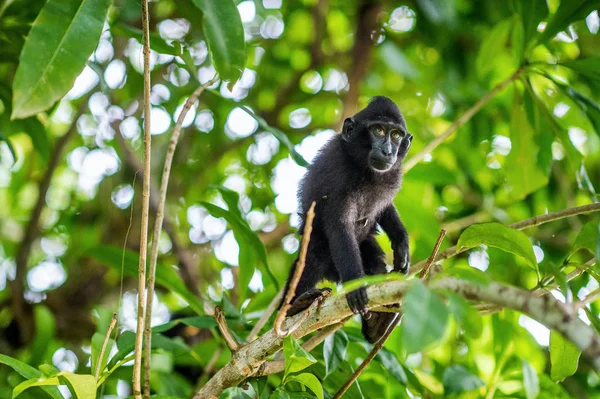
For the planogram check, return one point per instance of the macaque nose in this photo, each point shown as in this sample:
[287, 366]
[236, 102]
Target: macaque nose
[386, 150]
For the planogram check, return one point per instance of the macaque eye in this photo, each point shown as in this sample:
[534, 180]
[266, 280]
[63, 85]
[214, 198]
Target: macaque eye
[378, 132]
[396, 135]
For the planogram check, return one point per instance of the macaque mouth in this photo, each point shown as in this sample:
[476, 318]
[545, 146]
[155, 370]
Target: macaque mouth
[380, 164]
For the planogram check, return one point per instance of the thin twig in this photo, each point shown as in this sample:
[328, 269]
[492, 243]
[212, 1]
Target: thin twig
[434, 253]
[591, 297]
[21, 314]
[265, 316]
[524, 224]
[158, 221]
[112, 324]
[464, 118]
[137, 364]
[297, 273]
[379, 344]
[222, 324]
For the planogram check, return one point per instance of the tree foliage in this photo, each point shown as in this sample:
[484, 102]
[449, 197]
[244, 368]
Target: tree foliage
[502, 100]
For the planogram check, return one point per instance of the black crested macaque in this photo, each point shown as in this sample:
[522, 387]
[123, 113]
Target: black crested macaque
[354, 179]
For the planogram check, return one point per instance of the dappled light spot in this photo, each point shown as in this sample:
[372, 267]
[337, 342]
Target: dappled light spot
[263, 150]
[436, 106]
[128, 311]
[239, 124]
[76, 157]
[205, 74]
[199, 52]
[271, 28]
[247, 11]
[272, 4]
[311, 82]
[159, 94]
[54, 246]
[104, 52]
[204, 121]
[196, 215]
[130, 128]
[47, 275]
[300, 118]
[65, 360]
[213, 227]
[561, 109]
[189, 117]
[539, 253]
[174, 29]
[501, 144]
[539, 332]
[256, 283]
[479, 258]
[558, 151]
[86, 80]
[335, 81]
[402, 19]
[122, 196]
[290, 243]
[161, 120]
[227, 278]
[578, 138]
[593, 22]
[227, 249]
[178, 76]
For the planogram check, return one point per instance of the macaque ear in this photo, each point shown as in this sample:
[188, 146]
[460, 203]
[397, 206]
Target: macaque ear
[348, 129]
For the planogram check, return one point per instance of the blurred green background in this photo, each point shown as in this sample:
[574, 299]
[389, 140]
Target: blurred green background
[532, 148]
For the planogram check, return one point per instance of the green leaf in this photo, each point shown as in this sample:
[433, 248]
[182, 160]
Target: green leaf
[587, 238]
[466, 316]
[598, 244]
[564, 357]
[196, 321]
[248, 241]
[390, 362]
[458, 379]
[587, 105]
[35, 382]
[296, 358]
[234, 393]
[44, 333]
[493, 43]
[224, 33]
[62, 37]
[588, 67]
[530, 381]
[26, 371]
[279, 394]
[499, 236]
[309, 381]
[82, 386]
[523, 171]
[97, 342]
[532, 12]
[425, 318]
[166, 276]
[279, 135]
[568, 12]
[334, 351]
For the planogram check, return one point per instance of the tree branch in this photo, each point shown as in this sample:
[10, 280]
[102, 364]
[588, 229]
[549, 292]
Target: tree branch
[137, 364]
[249, 359]
[232, 344]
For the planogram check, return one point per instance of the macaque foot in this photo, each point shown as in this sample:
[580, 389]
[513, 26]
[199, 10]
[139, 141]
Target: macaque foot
[306, 299]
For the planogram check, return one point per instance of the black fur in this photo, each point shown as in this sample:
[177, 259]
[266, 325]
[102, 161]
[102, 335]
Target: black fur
[354, 180]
